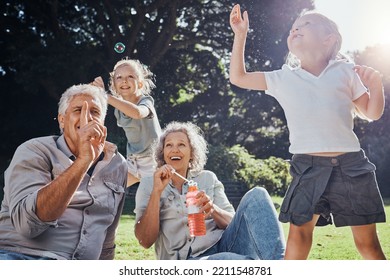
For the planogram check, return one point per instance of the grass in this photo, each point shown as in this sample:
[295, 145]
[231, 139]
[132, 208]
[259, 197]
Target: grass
[329, 243]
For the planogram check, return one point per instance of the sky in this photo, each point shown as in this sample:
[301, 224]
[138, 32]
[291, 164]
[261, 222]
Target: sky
[361, 23]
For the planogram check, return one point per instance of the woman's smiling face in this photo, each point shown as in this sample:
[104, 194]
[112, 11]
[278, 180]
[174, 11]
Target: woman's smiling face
[177, 151]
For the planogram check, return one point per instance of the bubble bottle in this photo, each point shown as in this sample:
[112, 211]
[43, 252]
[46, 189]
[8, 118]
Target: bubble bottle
[196, 222]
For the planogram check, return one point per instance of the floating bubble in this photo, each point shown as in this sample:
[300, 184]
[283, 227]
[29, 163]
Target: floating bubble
[119, 47]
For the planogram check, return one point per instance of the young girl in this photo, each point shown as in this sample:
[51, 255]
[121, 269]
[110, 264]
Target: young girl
[130, 84]
[333, 181]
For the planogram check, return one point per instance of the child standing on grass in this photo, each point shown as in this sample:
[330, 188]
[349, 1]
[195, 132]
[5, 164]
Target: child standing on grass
[131, 83]
[320, 92]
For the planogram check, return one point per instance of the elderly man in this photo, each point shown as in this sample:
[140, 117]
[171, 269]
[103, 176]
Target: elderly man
[63, 195]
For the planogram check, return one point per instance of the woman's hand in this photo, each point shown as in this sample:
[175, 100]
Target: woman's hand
[162, 176]
[221, 217]
[205, 204]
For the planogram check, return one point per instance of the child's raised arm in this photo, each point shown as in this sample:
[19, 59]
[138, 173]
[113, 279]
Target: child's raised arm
[238, 75]
[372, 105]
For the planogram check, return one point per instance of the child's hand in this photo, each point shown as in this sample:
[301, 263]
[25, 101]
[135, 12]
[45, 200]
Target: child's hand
[98, 82]
[370, 77]
[238, 23]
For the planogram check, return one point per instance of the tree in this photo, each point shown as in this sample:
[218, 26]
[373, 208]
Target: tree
[49, 45]
[237, 165]
[374, 136]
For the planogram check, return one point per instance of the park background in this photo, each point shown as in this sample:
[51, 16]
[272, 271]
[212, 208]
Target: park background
[48, 45]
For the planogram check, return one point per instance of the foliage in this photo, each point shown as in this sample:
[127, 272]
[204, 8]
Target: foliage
[127, 246]
[236, 164]
[374, 136]
[275, 176]
[49, 45]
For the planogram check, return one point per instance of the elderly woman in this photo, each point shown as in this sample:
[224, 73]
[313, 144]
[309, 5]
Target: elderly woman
[253, 232]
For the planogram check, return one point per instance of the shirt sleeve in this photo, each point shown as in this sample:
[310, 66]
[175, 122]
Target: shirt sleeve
[29, 171]
[357, 87]
[220, 199]
[273, 79]
[142, 196]
[148, 102]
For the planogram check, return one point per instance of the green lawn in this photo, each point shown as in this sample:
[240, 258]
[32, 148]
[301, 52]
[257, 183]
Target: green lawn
[329, 243]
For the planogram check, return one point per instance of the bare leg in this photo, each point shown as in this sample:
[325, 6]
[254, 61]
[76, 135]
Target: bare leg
[131, 179]
[367, 242]
[299, 240]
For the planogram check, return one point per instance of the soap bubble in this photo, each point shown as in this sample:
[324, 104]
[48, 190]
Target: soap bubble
[119, 47]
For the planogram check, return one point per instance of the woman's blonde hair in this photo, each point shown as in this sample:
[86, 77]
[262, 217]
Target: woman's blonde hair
[143, 73]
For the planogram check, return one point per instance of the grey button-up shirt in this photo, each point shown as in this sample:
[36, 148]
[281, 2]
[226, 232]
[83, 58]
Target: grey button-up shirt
[86, 230]
[174, 240]
[140, 133]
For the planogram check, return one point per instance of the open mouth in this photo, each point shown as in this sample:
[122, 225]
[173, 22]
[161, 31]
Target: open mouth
[175, 158]
[297, 36]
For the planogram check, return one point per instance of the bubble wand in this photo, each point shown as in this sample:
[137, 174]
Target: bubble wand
[177, 174]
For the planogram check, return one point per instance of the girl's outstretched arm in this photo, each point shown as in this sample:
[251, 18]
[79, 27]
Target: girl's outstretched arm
[128, 108]
[238, 75]
[371, 105]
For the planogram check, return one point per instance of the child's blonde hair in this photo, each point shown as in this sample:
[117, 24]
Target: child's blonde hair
[143, 73]
[330, 27]
[334, 53]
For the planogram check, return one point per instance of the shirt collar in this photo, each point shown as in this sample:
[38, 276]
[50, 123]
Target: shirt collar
[63, 147]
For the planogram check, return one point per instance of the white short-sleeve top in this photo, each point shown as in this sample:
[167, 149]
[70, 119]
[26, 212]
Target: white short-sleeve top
[319, 109]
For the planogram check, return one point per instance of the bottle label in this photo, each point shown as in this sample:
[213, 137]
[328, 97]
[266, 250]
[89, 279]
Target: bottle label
[193, 209]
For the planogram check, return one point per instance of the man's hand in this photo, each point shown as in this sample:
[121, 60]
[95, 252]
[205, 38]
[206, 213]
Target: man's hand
[92, 135]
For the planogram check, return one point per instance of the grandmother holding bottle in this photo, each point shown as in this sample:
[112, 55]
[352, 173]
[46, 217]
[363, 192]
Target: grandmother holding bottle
[253, 232]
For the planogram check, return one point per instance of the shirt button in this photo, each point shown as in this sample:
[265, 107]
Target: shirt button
[334, 161]
[87, 212]
[84, 231]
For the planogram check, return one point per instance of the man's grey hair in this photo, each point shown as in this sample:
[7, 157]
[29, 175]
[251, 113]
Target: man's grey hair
[97, 93]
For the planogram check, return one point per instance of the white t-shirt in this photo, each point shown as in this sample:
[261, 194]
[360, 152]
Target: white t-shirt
[319, 110]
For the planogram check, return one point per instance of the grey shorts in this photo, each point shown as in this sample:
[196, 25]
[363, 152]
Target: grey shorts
[141, 166]
[342, 189]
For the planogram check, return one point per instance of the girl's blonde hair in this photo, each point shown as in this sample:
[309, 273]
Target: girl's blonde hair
[330, 27]
[143, 73]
